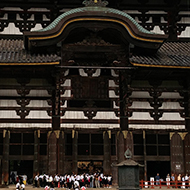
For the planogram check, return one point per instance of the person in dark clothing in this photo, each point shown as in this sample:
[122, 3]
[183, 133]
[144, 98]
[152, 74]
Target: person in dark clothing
[157, 178]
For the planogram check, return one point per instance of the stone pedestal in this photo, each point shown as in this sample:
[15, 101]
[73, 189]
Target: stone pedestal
[128, 175]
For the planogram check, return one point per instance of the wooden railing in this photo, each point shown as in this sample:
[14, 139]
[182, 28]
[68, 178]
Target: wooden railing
[164, 184]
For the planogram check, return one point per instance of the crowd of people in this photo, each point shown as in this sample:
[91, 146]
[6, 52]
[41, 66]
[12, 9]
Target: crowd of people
[175, 181]
[68, 181]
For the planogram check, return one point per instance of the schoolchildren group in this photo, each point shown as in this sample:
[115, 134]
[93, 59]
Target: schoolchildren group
[85, 180]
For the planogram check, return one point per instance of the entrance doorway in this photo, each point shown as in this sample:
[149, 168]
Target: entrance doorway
[161, 167]
[22, 167]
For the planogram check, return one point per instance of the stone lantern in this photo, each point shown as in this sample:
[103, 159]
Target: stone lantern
[128, 173]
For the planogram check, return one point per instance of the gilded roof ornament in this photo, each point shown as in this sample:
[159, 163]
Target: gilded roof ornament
[97, 3]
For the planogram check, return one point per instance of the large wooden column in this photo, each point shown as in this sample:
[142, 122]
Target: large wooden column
[128, 140]
[123, 96]
[145, 160]
[187, 105]
[186, 152]
[177, 153]
[107, 152]
[61, 153]
[56, 102]
[36, 152]
[52, 152]
[120, 146]
[75, 151]
[5, 161]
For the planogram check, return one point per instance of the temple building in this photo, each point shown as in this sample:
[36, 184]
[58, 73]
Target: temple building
[82, 82]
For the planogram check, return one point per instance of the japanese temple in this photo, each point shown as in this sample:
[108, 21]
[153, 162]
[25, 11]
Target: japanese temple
[83, 81]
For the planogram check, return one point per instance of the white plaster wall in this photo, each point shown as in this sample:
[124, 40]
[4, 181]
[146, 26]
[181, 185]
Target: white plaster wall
[74, 115]
[171, 116]
[112, 94]
[8, 114]
[171, 105]
[140, 116]
[161, 127]
[25, 125]
[112, 84]
[38, 93]
[80, 115]
[139, 94]
[8, 103]
[38, 115]
[38, 103]
[8, 93]
[170, 95]
[90, 126]
[144, 105]
[106, 115]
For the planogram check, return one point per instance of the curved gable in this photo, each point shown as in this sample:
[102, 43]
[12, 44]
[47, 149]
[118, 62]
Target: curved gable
[94, 16]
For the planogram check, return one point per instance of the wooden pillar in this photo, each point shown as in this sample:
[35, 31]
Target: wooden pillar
[123, 96]
[186, 152]
[128, 141]
[61, 153]
[36, 153]
[56, 103]
[5, 161]
[52, 152]
[120, 146]
[107, 152]
[75, 151]
[177, 153]
[145, 161]
[187, 105]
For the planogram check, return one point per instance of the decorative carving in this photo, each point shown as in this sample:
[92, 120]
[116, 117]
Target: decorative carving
[93, 40]
[49, 112]
[117, 113]
[183, 135]
[99, 3]
[49, 101]
[23, 102]
[90, 110]
[4, 133]
[109, 134]
[155, 103]
[62, 113]
[90, 72]
[125, 134]
[22, 112]
[23, 92]
[156, 114]
[74, 134]
[57, 132]
[90, 113]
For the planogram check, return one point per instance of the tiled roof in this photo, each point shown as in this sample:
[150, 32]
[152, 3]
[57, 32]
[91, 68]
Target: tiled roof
[12, 52]
[92, 8]
[171, 54]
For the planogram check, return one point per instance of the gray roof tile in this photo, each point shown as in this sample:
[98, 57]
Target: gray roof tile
[171, 54]
[12, 52]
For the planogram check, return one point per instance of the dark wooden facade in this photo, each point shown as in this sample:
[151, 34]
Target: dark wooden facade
[92, 84]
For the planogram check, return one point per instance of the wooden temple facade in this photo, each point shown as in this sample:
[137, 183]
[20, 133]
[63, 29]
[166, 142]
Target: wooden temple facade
[94, 81]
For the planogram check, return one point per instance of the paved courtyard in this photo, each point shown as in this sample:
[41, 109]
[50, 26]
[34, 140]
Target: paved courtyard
[30, 187]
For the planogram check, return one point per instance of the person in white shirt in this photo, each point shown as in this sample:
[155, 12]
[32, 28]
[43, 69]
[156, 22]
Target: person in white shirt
[22, 187]
[76, 185]
[18, 186]
[36, 180]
